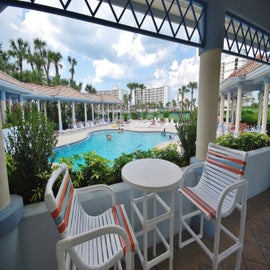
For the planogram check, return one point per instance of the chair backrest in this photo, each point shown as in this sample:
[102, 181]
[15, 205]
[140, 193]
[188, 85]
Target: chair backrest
[223, 167]
[60, 205]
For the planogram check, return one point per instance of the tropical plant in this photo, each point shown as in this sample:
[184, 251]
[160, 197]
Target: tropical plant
[192, 86]
[30, 144]
[186, 129]
[90, 89]
[19, 49]
[182, 91]
[73, 63]
[246, 141]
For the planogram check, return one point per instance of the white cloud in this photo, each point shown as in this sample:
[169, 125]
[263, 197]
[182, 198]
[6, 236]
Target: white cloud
[130, 46]
[105, 55]
[105, 68]
[178, 74]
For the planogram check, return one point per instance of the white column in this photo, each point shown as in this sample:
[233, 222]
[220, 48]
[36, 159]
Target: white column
[85, 113]
[221, 115]
[228, 112]
[238, 111]
[232, 111]
[3, 106]
[10, 104]
[265, 106]
[108, 112]
[260, 109]
[45, 109]
[4, 188]
[102, 111]
[21, 101]
[93, 113]
[73, 113]
[38, 105]
[59, 116]
[207, 100]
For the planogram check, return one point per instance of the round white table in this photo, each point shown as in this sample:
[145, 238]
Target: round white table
[152, 176]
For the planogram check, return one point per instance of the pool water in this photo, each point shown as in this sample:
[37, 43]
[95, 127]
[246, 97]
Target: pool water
[123, 142]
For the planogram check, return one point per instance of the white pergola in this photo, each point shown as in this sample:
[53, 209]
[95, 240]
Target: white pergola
[253, 76]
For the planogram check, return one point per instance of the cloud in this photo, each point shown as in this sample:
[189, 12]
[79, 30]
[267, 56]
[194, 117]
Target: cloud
[105, 56]
[178, 74]
[131, 48]
[105, 68]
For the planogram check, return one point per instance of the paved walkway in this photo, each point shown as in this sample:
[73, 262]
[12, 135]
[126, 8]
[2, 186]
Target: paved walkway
[256, 252]
[74, 135]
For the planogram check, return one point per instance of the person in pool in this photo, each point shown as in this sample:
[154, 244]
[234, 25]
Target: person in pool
[108, 136]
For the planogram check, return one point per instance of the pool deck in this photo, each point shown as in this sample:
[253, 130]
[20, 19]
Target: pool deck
[78, 134]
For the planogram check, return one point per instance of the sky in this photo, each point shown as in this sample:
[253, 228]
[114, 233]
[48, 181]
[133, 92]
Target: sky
[106, 57]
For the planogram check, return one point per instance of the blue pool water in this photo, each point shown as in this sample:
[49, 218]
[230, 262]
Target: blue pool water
[125, 142]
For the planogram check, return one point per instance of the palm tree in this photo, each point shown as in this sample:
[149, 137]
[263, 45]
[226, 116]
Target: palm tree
[192, 86]
[56, 58]
[182, 91]
[4, 61]
[132, 86]
[90, 89]
[141, 86]
[73, 63]
[19, 50]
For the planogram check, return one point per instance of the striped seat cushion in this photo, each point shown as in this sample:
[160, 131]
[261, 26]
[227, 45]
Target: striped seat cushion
[120, 218]
[61, 213]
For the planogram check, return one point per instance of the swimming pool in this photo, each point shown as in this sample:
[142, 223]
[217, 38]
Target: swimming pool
[121, 142]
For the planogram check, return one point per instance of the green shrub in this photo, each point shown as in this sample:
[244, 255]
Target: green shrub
[29, 145]
[93, 169]
[187, 129]
[245, 141]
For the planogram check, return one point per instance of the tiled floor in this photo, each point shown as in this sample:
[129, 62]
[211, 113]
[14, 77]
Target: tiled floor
[256, 254]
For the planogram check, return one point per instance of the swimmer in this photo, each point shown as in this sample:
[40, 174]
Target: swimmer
[108, 136]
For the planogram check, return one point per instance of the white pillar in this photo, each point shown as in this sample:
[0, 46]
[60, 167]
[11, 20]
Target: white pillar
[221, 115]
[102, 111]
[21, 100]
[232, 111]
[265, 106]
[108, 112]
[260, 109]
[73, 113]
[38, 105]
[3, 106]
[45, 109]
[10, 104]
[85, 113]
[238, 111]
[228, 111]
[207, 100]
[4, 188]
[59, 116]
[93, 113]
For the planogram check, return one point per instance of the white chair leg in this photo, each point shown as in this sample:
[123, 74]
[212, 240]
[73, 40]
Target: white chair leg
[216, 243]
[180, 220]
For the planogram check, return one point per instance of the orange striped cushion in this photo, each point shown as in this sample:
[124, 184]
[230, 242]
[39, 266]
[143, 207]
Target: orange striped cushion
[61, 213]
[203, 204]
[121, 220]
